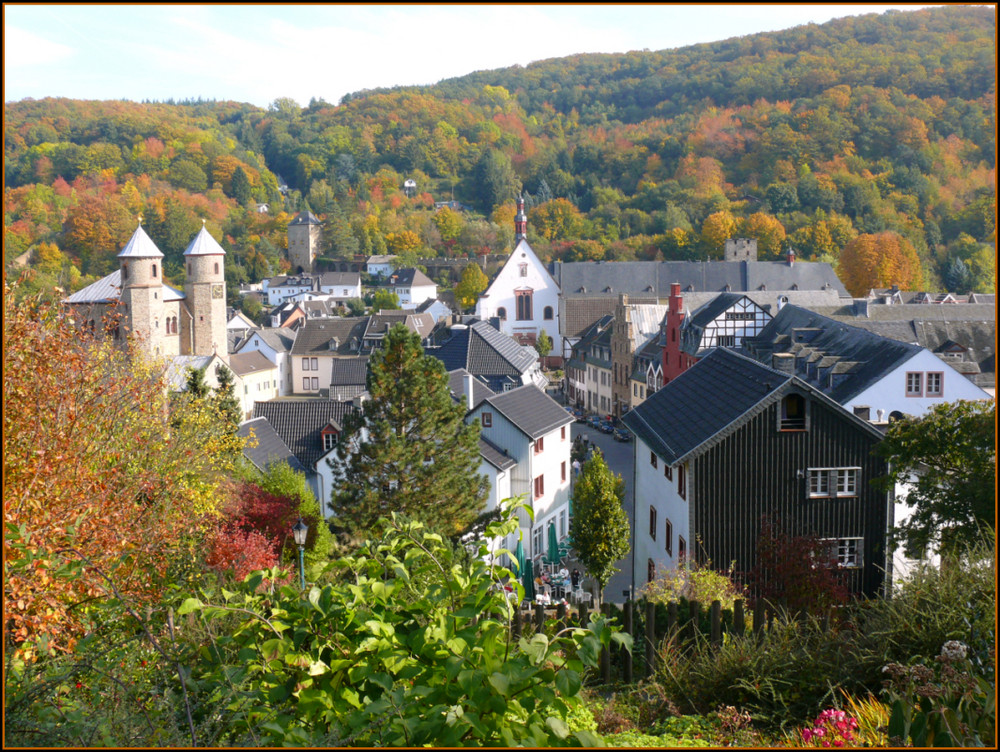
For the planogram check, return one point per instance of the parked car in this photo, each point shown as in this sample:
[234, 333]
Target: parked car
[605, 427]
[622, 434]
[594, 421]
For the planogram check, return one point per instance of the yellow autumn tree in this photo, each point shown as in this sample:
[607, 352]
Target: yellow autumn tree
[769, 233]
[715, 230]
[103, 482]
[882, 260]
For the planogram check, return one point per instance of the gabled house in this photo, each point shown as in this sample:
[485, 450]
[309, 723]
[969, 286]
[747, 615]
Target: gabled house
[348, 377]
[258, 379]
[534, 430]
[317, 344]
[875, 376]
[311, 429]
[730, 442]
[412, 287]
[523, 295]
[380, 266]
[496, 359]
[634, 326]
[381, 322]
[275, 345]
[588, 369]
[647, 375]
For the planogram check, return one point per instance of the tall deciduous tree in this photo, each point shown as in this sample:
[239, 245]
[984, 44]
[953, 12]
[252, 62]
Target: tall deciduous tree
[947, 458]
[600, 528]
[882, 260]
[544, 344]
[716, 229]
[409, 450]
[473, 282]
[496, 180]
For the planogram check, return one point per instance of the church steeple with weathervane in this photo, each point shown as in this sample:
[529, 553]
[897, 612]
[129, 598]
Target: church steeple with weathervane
[520, 222]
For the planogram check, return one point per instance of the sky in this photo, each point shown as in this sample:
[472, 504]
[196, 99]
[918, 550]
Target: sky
[259, 53]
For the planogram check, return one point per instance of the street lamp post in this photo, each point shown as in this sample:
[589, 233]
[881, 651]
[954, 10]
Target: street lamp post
[299, 531]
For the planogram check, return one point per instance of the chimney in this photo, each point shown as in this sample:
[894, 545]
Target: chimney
[863, 411]
[520, 222]
[468, 391]
[791, 256]
[784, 362]
[675, 297]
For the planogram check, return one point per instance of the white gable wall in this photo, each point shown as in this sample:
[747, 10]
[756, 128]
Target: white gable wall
[523, 271]
[281, 359]
[653, 488]
[889, 393]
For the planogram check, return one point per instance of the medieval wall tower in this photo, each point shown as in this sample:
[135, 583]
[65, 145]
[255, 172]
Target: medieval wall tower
[205, 291]
[141, 269]
[304, 236]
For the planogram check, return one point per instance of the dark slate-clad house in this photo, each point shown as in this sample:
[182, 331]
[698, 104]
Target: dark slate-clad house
[493, 357]
[731, 441]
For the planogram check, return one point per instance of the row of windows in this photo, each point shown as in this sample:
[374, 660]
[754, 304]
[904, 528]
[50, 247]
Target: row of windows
[310, 382]
[523, 303]
[668, 535]
[668, 473]
[920, 384]
[310, 364]
[540, 481]
[827, 482]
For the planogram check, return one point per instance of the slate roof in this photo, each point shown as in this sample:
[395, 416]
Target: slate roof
[250, 362]
[314, 336]
[108, 289]
[333, 279]
[280, 340]
[494, 455]
[483, 351]
[456, 385]
[269, 449]
[579, 312]
[204, 245]
[655, 277]
[712, 399]
[381, 322]
[873, 355]
[305, 218]
[351, 371]
[530, 409]
[299, 423]
[409, 278]
[176, 373]
[140, 245]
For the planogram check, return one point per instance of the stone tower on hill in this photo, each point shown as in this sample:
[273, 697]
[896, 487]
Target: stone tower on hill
[164, 322]
[142, 290]
[304, 235]
[205, 290]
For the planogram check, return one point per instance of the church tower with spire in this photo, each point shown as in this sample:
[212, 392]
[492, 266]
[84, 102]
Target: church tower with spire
[520, 222]
[205, 291]
[141, 269]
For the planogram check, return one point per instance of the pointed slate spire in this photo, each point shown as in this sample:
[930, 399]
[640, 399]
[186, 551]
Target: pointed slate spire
[140, 245]
[204, 244]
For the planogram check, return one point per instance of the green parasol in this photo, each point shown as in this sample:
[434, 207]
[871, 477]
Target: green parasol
[519, 556]
[528, 580]
[552, 555]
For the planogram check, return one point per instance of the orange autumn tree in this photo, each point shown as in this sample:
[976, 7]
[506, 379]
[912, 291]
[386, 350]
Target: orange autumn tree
[102, 479]
[882, 260]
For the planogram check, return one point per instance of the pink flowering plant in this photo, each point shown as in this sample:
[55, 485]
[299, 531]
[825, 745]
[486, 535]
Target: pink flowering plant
[832, 728]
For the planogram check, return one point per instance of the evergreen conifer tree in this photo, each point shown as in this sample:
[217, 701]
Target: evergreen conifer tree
[410, 450]
[196, 385]
[225, 398]
[599, 528]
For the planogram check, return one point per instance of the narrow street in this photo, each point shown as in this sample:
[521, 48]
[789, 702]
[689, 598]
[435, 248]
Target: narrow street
[618, 455]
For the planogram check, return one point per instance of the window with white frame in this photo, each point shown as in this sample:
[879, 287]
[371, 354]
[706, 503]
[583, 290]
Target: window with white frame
[935, 384]
[914, 384]
[306, 365]
[828, 482]
[846, 553]
[329, 441]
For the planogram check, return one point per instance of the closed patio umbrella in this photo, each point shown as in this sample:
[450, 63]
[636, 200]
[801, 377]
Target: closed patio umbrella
[519, 555]
[552, 555]
[528, 580]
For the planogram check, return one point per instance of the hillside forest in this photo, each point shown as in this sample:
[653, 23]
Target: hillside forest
[874, 134]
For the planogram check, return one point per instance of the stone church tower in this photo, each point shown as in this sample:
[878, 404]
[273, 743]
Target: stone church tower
[205, 293]
[141, 269]
[304, 235]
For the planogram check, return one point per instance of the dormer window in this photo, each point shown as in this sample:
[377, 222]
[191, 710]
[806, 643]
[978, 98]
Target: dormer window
[793, 413]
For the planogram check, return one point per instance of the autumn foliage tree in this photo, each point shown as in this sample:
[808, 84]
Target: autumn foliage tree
[96, 472]
[882, 260]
